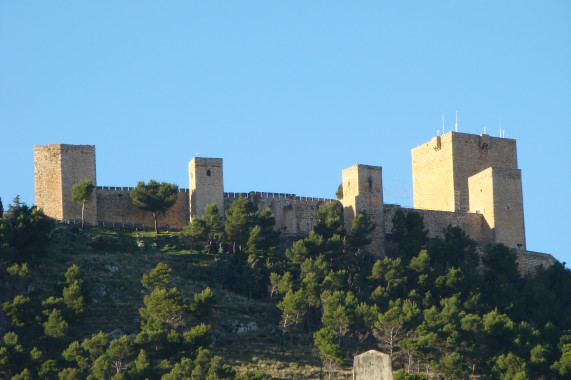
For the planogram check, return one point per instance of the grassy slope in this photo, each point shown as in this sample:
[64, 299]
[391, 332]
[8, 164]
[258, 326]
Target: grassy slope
[113, 270]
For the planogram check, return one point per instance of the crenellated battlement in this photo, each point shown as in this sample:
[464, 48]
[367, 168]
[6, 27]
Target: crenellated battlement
[127, 189]
[262, 195]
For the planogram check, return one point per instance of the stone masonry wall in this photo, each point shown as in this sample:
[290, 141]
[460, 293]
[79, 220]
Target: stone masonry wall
[293, 214]
[432, 175]
[206, 184]
[436, 222]
[78, 164]
[496, 194]
[472, 154]
[363, 192]
[529, 261]
[57, 167]
[115, 206]
[47, 180]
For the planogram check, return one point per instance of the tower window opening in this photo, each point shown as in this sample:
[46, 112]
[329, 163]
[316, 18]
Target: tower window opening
[208, 173]
[370, 184]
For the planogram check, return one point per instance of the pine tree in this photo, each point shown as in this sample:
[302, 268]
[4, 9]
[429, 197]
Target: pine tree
[80, 193]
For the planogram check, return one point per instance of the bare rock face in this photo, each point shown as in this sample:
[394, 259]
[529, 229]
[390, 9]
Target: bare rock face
[372, 365]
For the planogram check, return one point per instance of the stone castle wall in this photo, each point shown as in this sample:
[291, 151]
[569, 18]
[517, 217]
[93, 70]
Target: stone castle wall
[293, 214]
[528, 261]
[47, 180]
[436, 222]
[114, 205]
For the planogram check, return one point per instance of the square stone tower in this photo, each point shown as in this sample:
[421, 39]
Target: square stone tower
[57, 167]
[363, 191]
[441, 167]
[206, 185]
[496, 193]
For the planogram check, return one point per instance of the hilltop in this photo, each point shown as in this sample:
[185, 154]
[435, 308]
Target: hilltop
[222, 298]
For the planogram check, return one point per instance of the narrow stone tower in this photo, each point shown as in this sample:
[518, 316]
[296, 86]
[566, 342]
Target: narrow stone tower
[57, 167]
[363, 191]
[206, 185]
[496, 193]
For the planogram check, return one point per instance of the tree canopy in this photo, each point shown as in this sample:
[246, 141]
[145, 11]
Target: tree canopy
[154, 197]
[80, 193]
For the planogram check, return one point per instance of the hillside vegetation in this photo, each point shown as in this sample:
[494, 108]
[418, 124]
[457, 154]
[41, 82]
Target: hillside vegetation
[221, 300]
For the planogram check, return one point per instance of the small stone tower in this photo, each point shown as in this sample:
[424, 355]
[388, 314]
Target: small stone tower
[57, 167]
[363, 191]
[206, 185]
[496, 193]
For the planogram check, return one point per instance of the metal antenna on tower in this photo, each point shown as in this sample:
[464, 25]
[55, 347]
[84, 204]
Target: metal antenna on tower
[456, 125]
[484, 129]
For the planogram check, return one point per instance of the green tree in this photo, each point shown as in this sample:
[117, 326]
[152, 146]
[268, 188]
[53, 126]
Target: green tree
[158, 278]
[120, 354]
[339, 312]
[206, 231]
[563, 366]
[501, 277]
[26, 374]
[154, 197]
[24, 232]
[408, 233]
[359, 236]
[269, 238]
[1, 209]
[293, 308]
[330, 221]
[95, 346]
[453, 366]
[324, 340]
[240, 219]
[56, 327]
[48, 369]
[163, 313]
[70, 374]
[141, 368]
[73, 297]
[203, 303]
[75, 353]
[510, 367]
[19, 311]
[80, 193]
[339, 192]
[12, 355]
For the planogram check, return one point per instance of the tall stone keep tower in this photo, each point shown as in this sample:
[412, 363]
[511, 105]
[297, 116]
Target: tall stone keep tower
[460, 172]
[206, 185]
[57, 167]
[441, 167]
[363, 191]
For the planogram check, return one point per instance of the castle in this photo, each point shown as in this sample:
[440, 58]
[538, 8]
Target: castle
[459, 179]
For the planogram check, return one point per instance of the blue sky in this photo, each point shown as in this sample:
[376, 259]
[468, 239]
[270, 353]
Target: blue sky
[288, 93]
